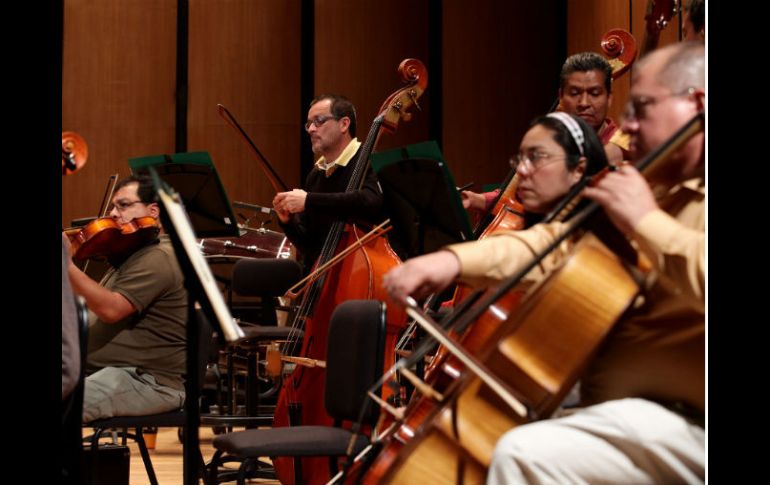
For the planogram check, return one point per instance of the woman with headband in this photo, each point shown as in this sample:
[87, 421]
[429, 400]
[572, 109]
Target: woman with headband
[556, 153]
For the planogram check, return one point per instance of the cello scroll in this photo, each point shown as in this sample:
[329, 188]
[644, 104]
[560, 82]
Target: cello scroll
[74, 152]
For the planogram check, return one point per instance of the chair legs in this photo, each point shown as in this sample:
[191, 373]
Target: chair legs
[145, 456]
[251, 467]
[138, 436]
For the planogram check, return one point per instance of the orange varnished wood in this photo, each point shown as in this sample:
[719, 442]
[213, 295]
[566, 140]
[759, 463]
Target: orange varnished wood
[105, 237]
[358, 276]
[539, 352]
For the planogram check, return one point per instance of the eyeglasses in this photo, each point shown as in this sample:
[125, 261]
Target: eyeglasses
[318, 121]
[636, 108]
[535, 160]
[122, 205]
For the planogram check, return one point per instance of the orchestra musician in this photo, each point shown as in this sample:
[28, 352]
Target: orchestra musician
[585, 90]
[641, 419]
[137, 317]
[306, 215]
[70, 343]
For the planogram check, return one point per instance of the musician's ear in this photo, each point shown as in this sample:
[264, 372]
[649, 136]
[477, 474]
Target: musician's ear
[344, 124]
[154, 209]
[700, 98]
[579, 170]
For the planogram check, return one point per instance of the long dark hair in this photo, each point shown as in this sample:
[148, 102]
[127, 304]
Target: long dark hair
[593, 151]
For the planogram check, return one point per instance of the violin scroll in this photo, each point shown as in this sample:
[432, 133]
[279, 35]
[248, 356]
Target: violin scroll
[74, 152]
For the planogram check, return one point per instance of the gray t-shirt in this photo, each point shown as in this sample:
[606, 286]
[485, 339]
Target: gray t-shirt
[153, 339]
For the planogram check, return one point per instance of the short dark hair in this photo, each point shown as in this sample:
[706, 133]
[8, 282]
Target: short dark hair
[145, 190]
[596, 157]
[697, 9]
[584, 62]
[341, 107]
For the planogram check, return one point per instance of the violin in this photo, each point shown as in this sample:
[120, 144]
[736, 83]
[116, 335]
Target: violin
[106, 238]
[74, 152]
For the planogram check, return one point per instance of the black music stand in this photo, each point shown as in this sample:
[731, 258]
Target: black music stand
[195, 178]
[201, 288]
[421, 199]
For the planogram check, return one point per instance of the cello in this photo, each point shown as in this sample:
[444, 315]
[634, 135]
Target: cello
[357, 276]
[657, 16]
[530, 363]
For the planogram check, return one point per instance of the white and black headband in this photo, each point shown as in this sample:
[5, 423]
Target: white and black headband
[573, 127]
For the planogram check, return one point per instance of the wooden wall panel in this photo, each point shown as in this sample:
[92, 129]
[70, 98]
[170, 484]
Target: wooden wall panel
[500, 70]
[245, 54]
[587, 22]
[118, 84]
[358, 47]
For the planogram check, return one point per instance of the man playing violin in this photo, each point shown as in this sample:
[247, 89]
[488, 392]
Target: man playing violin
[136, 339]
[585, 90]
[642, 414]
[307, 215]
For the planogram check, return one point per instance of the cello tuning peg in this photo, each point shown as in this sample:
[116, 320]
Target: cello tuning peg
[413, 95]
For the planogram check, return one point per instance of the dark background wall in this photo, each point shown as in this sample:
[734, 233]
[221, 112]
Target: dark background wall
[493, 66]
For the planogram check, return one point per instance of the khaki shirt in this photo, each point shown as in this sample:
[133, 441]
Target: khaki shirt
[658, 350]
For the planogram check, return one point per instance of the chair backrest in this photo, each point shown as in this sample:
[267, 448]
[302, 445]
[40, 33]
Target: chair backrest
[267, 279]
[354, 358]
[205, 334]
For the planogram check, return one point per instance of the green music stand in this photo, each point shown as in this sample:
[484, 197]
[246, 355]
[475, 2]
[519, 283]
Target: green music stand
[195, 178]
[421, 198]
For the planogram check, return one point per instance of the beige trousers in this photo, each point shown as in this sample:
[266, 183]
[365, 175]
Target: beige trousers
[622, 441]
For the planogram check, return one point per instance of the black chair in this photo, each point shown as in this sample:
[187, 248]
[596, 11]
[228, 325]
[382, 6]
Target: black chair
[354, 362]
[267, 279]
[176, 418]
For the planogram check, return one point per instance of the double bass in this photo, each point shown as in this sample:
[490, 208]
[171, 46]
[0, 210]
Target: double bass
[357, 276]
